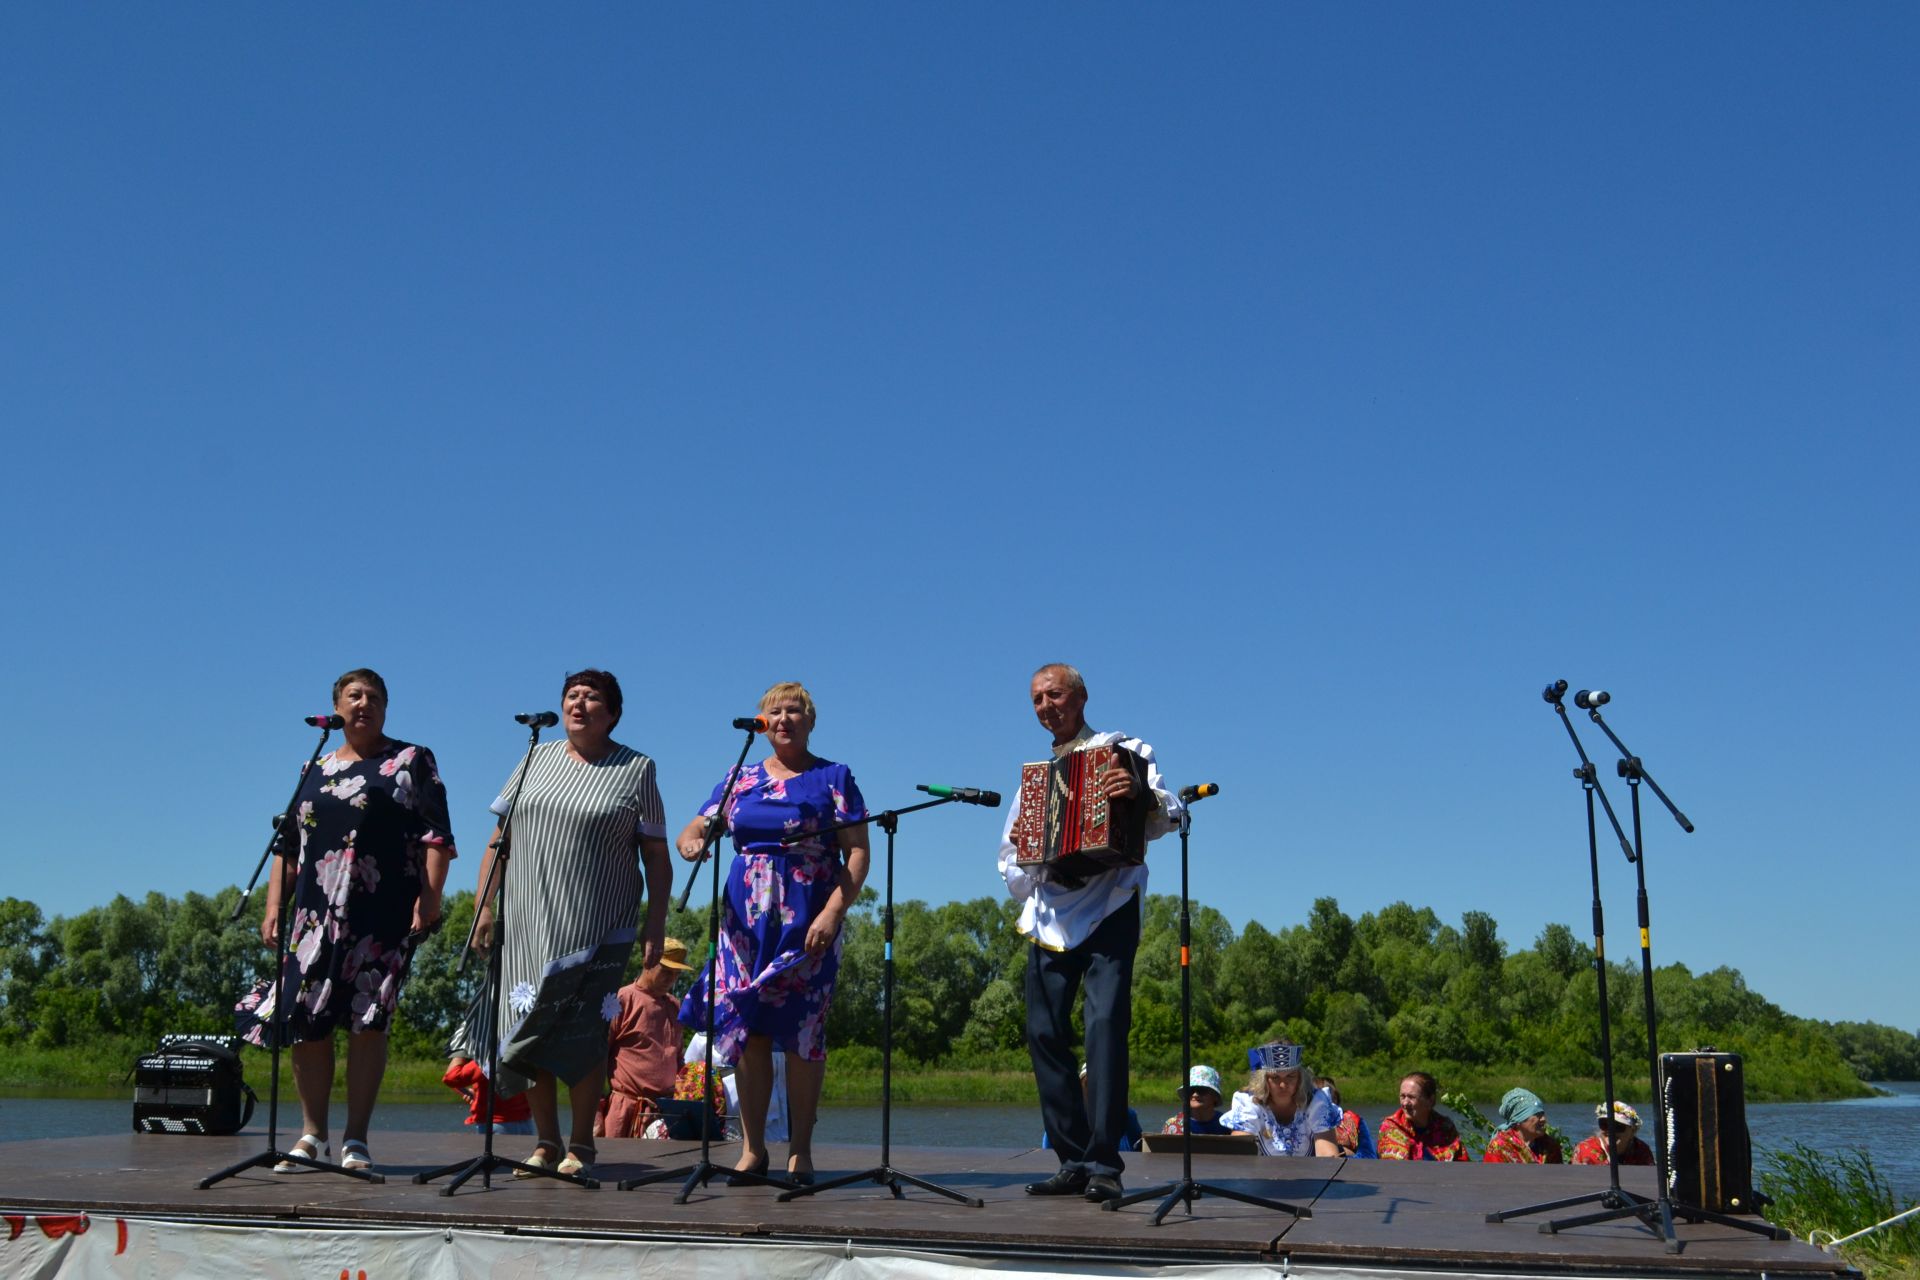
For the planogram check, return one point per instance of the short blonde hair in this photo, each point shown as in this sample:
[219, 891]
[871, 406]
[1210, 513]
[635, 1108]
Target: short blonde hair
[789, 690]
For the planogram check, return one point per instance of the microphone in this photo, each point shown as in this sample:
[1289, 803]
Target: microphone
[1588, 699]
[965, 795]
[327, 722]
[1554, 692]
[756, 723]
[539, 719]
[1199, 791]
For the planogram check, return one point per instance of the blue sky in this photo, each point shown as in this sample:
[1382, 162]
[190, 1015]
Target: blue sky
[1323, 381]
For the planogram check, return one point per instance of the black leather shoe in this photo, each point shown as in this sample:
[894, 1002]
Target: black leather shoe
[1067, 1182]
[1102, 1186]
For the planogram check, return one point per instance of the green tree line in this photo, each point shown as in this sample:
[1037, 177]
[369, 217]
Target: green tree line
[1393, 990]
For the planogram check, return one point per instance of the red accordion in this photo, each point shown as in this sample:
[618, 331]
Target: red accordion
[1068, 827]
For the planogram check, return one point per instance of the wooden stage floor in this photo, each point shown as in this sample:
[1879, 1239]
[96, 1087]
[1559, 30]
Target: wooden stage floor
[1366, 1213]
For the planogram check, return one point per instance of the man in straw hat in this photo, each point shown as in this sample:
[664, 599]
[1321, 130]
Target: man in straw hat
[643, 1044]
[1084, 934]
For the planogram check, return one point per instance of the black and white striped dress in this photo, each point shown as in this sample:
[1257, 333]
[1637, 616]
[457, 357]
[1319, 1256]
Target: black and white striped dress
[574, 884]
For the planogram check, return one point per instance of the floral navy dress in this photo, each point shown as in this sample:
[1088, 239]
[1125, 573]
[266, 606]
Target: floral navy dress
[768, 983]
[362, 824]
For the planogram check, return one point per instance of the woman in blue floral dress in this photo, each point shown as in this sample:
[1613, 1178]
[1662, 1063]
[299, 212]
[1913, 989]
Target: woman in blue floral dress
[375, 841]
[780, 927]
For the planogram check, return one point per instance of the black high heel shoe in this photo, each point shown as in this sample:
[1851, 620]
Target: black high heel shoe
[799, 1177]
[747, 1177]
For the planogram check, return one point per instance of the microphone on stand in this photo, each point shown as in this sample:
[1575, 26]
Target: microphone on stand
[756, 723]
[1199, 791]
[327, 722]
[965, 795]
[1588, 699]
[1554, 692]
[539, 719]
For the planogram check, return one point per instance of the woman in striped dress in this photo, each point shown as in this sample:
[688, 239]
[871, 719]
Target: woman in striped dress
[572, 898]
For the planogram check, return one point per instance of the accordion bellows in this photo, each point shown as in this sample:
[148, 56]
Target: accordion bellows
[1067, 825]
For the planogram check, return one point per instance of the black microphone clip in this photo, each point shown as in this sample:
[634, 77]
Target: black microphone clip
[538, 719]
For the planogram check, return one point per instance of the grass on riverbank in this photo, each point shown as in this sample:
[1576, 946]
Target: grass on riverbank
[1837, 1194]
[101, 1069]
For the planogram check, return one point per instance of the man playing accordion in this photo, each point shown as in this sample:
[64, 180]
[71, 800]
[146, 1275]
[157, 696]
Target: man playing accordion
[1084, 925]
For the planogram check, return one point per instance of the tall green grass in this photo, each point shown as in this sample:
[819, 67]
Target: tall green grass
[1838, 1194]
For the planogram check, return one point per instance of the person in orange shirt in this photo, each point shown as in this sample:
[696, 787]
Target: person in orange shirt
[643, 1045]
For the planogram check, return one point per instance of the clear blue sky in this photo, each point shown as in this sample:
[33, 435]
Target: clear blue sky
[1322, 380]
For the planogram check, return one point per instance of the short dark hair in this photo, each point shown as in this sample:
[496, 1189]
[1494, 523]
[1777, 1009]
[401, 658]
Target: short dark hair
[1429, 1087]
[365, 675]
[601, 682]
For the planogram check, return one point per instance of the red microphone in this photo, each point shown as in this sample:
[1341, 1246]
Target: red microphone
[756, 723]
[327, 722]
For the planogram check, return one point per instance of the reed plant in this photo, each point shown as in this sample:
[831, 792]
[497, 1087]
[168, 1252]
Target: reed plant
[1835, 1194]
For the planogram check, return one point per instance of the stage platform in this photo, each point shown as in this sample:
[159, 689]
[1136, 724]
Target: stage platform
[143, 1215]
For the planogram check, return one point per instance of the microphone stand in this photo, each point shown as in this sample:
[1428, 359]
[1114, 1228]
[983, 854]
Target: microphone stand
[1618, 1202]
[286, 825]
[486, 1162]
[700, 1173]
[883, 1174]
[1186, 1189]
[1630, 768]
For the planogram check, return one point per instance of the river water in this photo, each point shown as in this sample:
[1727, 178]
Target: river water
[1887, 1128]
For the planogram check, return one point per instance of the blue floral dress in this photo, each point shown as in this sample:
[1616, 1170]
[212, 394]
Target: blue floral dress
[362, 827]
[768, 983]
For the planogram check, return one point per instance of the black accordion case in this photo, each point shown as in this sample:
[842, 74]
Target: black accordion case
[1709, 1153]
[191, 1084]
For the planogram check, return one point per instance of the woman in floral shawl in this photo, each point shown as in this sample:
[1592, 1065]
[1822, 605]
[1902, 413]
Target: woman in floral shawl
[780, 935]
[374, 846]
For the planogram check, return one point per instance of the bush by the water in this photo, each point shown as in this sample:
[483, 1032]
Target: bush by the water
[1370, 998]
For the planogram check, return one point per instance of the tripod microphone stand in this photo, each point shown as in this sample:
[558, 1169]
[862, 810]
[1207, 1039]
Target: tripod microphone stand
[487, 1161]
[1630, 767]
[285, 827]
[884, 1174]
[1186, 1188]
[701, 1172]
[1618, 1202]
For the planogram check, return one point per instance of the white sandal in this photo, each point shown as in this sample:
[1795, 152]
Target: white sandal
[538, 1163]
[354, 1155]
[316, 1149]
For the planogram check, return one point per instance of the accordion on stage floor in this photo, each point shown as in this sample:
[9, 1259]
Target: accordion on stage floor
[1709, 1155]
[191, 1084]
[1068, 827]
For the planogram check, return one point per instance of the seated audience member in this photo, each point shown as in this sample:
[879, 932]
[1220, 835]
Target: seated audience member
[643, 1045]
[1129, 1141]
[1281, 1108]
[1416, 1131]
[1351, 1135]
[467, 1078]
[1523, 1139]
[467, 1075]
[1203, 1104]
[1622, 1131]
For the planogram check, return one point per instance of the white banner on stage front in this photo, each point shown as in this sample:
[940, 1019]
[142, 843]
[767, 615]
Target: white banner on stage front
[86, 1247]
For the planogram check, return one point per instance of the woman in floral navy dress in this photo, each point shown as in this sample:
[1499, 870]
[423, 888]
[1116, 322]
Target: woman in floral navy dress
[374, 846]
[780, 929]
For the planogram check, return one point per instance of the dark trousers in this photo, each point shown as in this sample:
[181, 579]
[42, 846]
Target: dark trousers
[1084, 1131]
